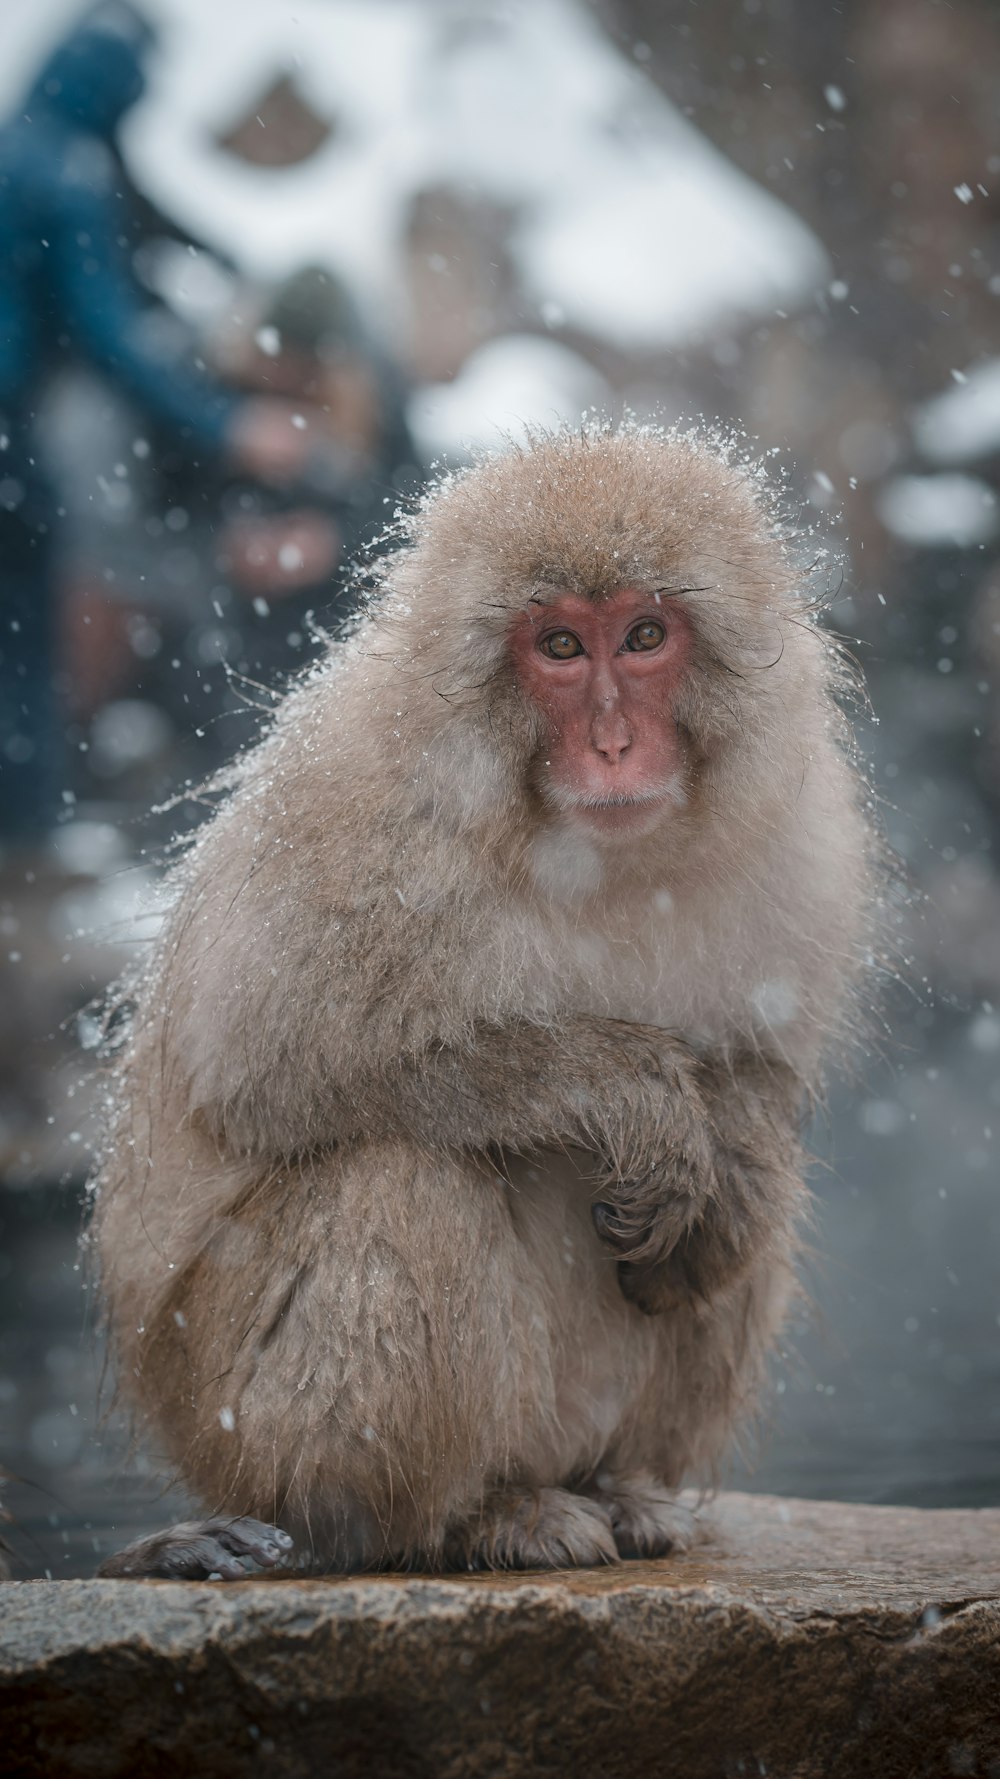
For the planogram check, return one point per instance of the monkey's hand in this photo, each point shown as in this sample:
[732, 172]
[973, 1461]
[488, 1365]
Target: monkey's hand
[676, 1245]
[645, 1219]
[661, 1173]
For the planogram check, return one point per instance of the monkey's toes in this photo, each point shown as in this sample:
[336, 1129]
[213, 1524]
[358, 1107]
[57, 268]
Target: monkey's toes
[265, 1545]
[223, 1548]
[648, 1522]
[535, 1529]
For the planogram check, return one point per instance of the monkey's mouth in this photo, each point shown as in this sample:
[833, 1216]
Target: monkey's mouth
[671, 791]
[625, 799]
[616, 810]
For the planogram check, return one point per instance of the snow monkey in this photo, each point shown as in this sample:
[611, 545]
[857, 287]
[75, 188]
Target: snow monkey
[449, 1209]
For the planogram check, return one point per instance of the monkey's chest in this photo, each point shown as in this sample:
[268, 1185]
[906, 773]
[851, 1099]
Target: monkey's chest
[653, 980]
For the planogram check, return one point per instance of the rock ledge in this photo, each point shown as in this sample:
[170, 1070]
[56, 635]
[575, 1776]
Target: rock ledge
[803, 1638]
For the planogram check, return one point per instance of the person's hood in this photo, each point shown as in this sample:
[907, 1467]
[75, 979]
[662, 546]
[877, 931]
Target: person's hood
[93, 77]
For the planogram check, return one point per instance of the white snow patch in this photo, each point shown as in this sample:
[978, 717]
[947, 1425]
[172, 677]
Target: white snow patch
[628, 223]
[963, 423]
[984, 1032]
[122, 911]
[881, 1118]
[945, 510]
[504, 388]
[90, 848]
[268, 340]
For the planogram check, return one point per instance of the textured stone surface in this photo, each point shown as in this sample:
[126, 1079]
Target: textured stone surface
[802, 1639]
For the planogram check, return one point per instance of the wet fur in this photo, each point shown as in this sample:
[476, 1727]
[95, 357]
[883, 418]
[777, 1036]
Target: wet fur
[403, 1026]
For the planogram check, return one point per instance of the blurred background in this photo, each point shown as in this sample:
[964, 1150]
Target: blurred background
[263, 264]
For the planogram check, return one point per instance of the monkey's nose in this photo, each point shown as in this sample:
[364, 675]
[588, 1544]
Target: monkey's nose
[611, 738]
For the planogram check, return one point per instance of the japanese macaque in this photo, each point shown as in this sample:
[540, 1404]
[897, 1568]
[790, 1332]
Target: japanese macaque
[450, 1206]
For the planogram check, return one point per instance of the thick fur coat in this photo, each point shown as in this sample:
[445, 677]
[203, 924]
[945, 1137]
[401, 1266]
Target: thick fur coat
[403, 1025]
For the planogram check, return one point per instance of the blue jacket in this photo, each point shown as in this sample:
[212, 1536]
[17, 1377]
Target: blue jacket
[66, 281]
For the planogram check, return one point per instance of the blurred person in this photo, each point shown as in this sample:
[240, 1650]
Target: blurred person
[278, 563]
[70, 294]
[310, 345]
[68, 288]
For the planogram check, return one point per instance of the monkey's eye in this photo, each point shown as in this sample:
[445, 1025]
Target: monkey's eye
[647, 635]
[562, 645]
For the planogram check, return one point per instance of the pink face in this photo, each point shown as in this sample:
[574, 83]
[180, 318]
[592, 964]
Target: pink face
[604, 676]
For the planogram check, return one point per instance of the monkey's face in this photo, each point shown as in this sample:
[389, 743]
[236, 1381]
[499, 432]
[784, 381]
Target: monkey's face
[603, 677]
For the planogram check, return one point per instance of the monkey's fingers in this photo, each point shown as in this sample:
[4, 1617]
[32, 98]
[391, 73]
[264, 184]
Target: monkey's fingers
[613, 1228]
[641, 1232]
[198, 1550]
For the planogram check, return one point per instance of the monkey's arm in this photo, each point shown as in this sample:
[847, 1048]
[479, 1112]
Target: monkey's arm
[754, 1107]
[325, 1033]
[702, 1157]
[627, 1092]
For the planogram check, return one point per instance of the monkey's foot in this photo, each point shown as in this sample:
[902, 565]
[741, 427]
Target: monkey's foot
[646, 1519]
[535, 1529]
[221, 1549]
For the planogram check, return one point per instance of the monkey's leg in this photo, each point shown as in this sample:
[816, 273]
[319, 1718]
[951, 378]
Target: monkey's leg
[200, 1550]
[401, 1357]
[349, 1348]
[594, 1361]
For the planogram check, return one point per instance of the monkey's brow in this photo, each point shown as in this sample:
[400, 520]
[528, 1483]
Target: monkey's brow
[670, 592]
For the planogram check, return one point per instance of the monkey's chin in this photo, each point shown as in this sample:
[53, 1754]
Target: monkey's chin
[623, 817]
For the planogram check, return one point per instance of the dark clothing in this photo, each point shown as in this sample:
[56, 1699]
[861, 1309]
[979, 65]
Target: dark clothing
[66, 283]
[67, 288]
[29, 727]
